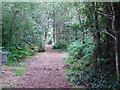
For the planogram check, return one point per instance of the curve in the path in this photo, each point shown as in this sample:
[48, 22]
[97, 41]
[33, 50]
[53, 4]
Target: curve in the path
[45, 72]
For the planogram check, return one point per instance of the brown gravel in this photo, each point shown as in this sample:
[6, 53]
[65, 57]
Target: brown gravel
[45, 72]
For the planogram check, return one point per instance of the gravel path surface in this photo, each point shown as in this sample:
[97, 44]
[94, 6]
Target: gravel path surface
[45, 72]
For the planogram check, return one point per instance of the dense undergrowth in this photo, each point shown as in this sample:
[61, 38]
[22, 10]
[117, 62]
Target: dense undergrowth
[81, 68]
[17, 54]
[60, 45]
[82, 71]
[21, 35]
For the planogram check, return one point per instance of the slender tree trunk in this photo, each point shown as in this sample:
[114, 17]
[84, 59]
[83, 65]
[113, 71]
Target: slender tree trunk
[63, 27]
[58, 37]
[59, 33]
[108, 39]
[115, 33]
[83, 39]
[54, 38]
[76, 34]
[116, 28]
[0, 64]
[56, 33]
[96, 34]
[117, 58]
[78, 13]
[69, 36]
[46, 28]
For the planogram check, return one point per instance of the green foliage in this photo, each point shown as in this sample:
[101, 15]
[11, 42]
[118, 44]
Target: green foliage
[81, 68]
[21, 31]
[79, 59]
[80, 55]
[81, 51]
[41, 49]
[60, 45]
[20, 72]
[93, 78]
[74, 26]
[49, 42]
[25, 25]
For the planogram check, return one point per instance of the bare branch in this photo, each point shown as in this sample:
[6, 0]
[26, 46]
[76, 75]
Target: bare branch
[107, 15]
[113, 11]
[100, 12]
[109, 7]
[105, 31]
[113, 17]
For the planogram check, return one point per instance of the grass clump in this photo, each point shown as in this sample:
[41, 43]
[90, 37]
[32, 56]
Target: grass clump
[20, 72]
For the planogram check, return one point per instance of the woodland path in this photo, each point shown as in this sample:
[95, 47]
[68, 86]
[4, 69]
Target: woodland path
[45, 72]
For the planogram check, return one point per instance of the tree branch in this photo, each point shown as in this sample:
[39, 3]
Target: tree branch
[100, 12]
[107, 15]
[105, 31]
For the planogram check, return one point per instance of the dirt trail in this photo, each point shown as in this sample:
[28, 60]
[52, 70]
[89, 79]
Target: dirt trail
[45, 72]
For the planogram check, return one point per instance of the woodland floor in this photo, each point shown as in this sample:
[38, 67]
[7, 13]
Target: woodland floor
[47, 71]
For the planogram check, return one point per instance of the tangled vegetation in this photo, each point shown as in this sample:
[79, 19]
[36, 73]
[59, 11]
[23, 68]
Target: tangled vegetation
[82, 71]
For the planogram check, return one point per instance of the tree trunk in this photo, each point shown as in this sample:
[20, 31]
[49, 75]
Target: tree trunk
[116, 30]
[116, 27]
[63, 27]
[78, 13]
[117, 57]
[96, 35]
[0, 64]
[83, 39]
[54, 31]
[59, 33]
[76, 34]
[69, 36]
[46, 26]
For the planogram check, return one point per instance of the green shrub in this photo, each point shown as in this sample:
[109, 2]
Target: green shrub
[60, 45]
[49, 42]
[41, 49]
[17, 54]
[81, 51]
[81, 69]
[20, 72]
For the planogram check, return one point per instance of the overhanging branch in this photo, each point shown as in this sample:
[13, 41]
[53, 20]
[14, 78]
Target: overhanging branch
[105, 31]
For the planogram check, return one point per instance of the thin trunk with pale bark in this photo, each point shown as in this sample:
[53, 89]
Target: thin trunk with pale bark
[54, 31]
